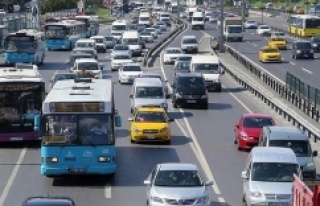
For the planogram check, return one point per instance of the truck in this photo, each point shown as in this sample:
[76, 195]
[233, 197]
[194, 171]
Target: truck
[233, 28]
[190, 11]
[305, 192]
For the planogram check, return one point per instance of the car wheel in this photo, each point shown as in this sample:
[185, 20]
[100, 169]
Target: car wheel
[167, 142]
[238, 147]
[235, 141]
[132, 141]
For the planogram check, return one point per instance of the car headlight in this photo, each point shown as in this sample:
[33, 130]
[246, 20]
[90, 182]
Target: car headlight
[310, 166]
[136, 129]
[203, 199]
[204, 96]
[243, 135]
[298, 51]
[156, 199]
[104, 159]
[256, 194]
[311, 51]
[124, 76]
[315, 45]
[178, 95]
[50, 159]
[216, 80]
[165, 129]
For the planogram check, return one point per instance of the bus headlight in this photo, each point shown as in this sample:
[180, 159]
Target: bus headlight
[50, 159]
[104, 159]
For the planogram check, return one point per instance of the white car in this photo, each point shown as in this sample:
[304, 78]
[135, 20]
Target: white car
[171, 54]
[128, 72]
[177, 184]
[264, 30]
[159, 76]
[146, 36]
[152, 31]
[88, 65]
[120, 49]
[120, 59]
[250, 24]
[101, 44]
[279, 34]
[116, 35]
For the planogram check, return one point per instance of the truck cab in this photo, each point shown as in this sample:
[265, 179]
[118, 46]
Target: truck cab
[198, 20]
[233, 29]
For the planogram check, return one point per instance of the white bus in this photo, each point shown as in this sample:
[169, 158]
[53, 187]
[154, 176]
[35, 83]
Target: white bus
[145, 19]
[118, 27]
[22, 91]
[79, 119]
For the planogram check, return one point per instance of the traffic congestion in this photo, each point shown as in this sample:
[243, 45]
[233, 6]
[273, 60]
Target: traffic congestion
[85, 122]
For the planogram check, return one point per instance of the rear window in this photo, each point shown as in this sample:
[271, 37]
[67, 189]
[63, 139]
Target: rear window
[190, 41]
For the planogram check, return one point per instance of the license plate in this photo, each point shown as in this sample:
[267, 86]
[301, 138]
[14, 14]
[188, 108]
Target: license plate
[191, 101]
[278, 204]
[77, 170]
[150, 137]
[305, 55]
[15, 138]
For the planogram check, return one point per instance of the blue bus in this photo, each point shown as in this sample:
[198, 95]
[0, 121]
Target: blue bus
[92, 24]
[25, 46]
[63, 34]
[79, 120]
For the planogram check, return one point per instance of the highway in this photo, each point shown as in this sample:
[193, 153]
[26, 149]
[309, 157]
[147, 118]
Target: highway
[202, 137]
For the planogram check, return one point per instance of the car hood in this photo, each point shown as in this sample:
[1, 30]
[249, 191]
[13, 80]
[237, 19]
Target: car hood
[120, 52]
[272, 187]
[252, 132]
[179, 192]
[193, 91]
[150, 125]
[192, 44]
[133, 47]
[143, 102]
[271, 54]
[172, 55]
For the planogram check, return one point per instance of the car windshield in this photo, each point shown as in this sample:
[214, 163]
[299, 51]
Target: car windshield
[303, 45]
[212, 68]
[316, 39]
[301, 148]
[235, 29]
[99, 40]
[277, 39]
[122, 57]
[280, 34]
[150, 117]
[251, 22]
[196, 82]
[150, 29]
[190, 41]
[121, 48]
[264, 27]
[257, 122]
[109, 38]
[132, 68]
[127, 41]
[173, 51]
[150, 92]
[273, 172]
[145, 34]
[88, 66]
[116, 34]
[178, 178]
[270, 50]
[184, 58]
[197, 19]
[73, 58]
[183, 66]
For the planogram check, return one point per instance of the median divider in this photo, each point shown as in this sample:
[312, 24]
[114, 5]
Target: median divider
[256, 86]
[179, 28]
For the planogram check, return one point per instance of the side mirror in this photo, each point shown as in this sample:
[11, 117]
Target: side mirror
[315, 153]
[147, 182]
[237, 126]
[130, 119]
[118, 122]
[131, 96]
[209, 183]
[244, 175]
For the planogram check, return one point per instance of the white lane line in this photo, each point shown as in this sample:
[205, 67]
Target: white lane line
[238, 100]
[221, 199]
[292, 63]
[254, 45]
[107, 191]
[12, 176]
[304, 69]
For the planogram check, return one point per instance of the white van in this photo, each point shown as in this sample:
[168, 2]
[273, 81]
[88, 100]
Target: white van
[132, 39]
[190, 11]
[145, 19]
[86, 43]
[148, 91]
[165, 17]
[198, 20]
[268, 174]
[209, 67]
[117, 28]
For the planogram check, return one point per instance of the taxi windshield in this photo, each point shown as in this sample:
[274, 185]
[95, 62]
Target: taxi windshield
[270, 50]
[150, 117]
[88, 66]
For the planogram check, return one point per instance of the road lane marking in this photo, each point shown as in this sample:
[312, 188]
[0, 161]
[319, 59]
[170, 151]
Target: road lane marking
[12, 176]
[292, 63]
[254, 44]
[107, 191]
[221, 199]
[306, 70]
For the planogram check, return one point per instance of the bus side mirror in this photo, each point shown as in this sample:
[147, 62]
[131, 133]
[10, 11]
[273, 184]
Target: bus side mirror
[36, 123]
[118, 122]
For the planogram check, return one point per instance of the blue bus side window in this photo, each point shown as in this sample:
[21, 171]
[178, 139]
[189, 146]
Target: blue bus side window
[118, 122]
[36, 123]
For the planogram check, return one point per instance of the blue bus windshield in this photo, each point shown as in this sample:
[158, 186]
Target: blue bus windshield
[55, 32]
[24, 44]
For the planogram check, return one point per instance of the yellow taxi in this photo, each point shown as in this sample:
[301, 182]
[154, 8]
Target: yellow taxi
[150, 124]
[269, 54]
[277, 42]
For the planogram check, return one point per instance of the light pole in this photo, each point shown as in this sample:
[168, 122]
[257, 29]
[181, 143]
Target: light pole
[221, 40]
[178, 11]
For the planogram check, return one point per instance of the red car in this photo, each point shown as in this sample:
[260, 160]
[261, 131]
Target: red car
[247, 130]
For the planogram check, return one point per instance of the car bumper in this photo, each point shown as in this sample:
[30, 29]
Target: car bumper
[151, 203]
[151, 137]
[115, 67]
[272, 60]
[127, 79]
[191, 102]
[213, 85]
[52, 170]
[269, 203]
[305, 56]
[248, 143]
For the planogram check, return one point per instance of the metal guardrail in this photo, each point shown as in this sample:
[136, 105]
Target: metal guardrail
[280, 88]
[172, 34]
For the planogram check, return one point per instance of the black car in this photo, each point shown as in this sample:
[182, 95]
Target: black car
[181, 67]
[315, 43]
[47, 201]
[302, 50]
[189, 89]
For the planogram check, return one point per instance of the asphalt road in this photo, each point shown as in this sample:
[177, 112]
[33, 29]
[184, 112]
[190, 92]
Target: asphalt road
[202, 137]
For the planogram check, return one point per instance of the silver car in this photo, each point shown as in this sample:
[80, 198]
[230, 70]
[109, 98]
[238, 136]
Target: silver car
[177, 184]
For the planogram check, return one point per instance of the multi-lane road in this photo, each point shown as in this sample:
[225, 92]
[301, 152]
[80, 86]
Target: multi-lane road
[202, 137]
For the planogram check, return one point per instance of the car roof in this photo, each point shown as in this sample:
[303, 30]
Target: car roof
[285, 133]
[80, 53]
[48, 201]
[273, 155]
[83, 49]
[177, 166]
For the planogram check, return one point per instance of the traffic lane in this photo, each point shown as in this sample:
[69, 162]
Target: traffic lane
[276, 22]
[303, 68]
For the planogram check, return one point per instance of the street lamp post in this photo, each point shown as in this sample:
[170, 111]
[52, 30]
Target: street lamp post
[221, 40]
